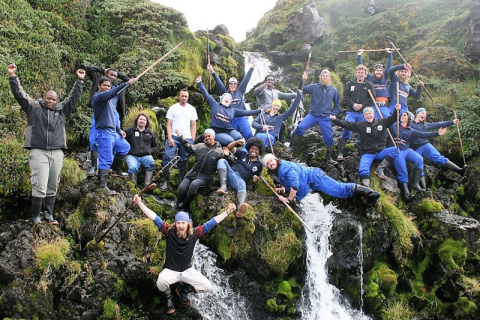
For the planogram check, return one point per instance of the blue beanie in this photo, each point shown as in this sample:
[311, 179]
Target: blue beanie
[209, 131]
[368, 109]
[182, 216]
[420, 110]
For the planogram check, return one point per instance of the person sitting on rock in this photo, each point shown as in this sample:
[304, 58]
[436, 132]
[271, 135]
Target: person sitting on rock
[373, 134]
[240, 123]
[425, 148]
[222, 115]
[268, 124]
[401, 74]
[181, 238]
[299, 180]
[143, 144]
[246, 166]
[201, 175]
[265, 94]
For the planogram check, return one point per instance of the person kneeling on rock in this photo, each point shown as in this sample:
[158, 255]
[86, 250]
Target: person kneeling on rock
[246, 166]
[181, 238]
[298, 180]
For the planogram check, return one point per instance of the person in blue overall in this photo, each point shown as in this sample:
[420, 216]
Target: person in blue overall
[222, 115]
[405, 138]
[424, 148]
[267, 125]
[325, 102]
[355, 98]
[110, 138]
[246, 166]
[241, 123]
[298, 180]
[373, 134]
[401, 74]
[379, 80]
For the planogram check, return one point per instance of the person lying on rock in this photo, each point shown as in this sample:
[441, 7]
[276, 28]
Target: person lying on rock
[267, 125]
[246, 166]
[222, 115]
[181, 238]
[298, 180]
[424, 148]
[373, 135]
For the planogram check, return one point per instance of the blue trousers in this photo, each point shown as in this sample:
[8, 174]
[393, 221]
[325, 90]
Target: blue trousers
[108, 142]
[265, 139]
[385, 110]
[319, 181]
[428, 151]
[225, 138]
[400, 163]
[392, 108]
[352, 116]
[134, 163]
[169, 152]
[367, 159]
[242, 125]
[234, 179]
[324, 123]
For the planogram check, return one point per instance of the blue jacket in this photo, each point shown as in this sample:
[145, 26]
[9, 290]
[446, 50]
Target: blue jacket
[221, 116]
[381, 86]
[407, 135]
[275, 120]
[322, 99]
[405, 89]
[103, 111]
[237, 95]
[294, 175]
[425, 127]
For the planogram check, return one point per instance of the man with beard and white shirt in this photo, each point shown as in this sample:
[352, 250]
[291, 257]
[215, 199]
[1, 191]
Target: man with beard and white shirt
[266, 93]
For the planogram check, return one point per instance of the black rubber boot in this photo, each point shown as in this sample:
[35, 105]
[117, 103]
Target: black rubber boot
[415, 180]
[366, 182]
[185, 204]
[49, 205]
[452, 166]
[293, 142]
[371, 195]
[102, 181]
[382, 166]
[182, 292]
[92, 172]
[36, 208]
[406, 193]
[117, 166]
[242, 206]
[422, 183]
[133, 177]
[330, 160]
[166, 179]
[341, 145]
[169, 306]
[222, 175]
[148, 179]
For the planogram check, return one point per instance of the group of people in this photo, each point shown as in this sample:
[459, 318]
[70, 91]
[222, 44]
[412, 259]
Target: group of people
[229, 147]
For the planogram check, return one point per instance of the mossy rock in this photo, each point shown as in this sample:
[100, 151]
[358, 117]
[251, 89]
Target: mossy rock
[453, 254]
[428, 206]
[385, 277]
[282, 251]
[50, 256]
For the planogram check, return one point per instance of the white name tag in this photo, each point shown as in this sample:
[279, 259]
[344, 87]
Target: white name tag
[352, 88]
[369, 130]
[137, 134]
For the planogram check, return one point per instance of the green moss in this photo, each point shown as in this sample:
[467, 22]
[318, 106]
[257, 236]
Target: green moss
[71, 173]
[385, 277]
[282, 251]
[145, 242]
[460, 191]
[398, 310]
[428, 206]
[51, 256]
[110, 309]
[75, 220]
[468, 307]
[453, 253]
[272, 306]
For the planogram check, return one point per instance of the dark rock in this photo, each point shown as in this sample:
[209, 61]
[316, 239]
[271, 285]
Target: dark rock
[448, 292]
[305, 24]
[279, 57]
[221, 29]
[473, 36]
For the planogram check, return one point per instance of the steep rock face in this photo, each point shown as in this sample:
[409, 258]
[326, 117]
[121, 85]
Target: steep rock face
[473, 37]
[305, 24]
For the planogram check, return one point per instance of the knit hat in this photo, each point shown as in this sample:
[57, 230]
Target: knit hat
[226, 94]
[367, 109]
[209, 131]
[324, 71]
[233, 80]
[267, 157]
[277, 102]
[182, 216]
[420, 110]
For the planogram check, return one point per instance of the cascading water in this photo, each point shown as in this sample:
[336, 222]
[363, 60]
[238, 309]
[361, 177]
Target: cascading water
[320, 299]
[262, 69]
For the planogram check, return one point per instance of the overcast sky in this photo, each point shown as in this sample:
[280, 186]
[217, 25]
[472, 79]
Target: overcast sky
[239, 15]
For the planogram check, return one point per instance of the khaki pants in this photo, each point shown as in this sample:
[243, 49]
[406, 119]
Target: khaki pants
[191, 276]
[45, 166]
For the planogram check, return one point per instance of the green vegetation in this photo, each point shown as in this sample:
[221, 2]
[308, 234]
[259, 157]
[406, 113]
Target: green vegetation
[50, 256]
[453, 253]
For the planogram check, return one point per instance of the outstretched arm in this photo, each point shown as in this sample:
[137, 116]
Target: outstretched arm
[149, 213]
[219, 218]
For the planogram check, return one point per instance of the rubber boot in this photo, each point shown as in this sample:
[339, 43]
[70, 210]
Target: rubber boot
[166, 179]
[102, 181]
[366, 182]
[371, 195]
[117, 166]
[241, 204]
[148, 179]
[452, 166]
[422, 183]
[406, 193]
[415, 180]
[222, 174]
[93, 164]
[382, 166]
[181, 175]
[133, 177]
[49, 205]
[169, 306]
[182, 292]
[293, 142]
[36, 208]
[330, 160]
[185, 204]
[341, 145]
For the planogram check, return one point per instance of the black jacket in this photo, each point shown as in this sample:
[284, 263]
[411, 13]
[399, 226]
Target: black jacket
[142, 143]
[355, 92]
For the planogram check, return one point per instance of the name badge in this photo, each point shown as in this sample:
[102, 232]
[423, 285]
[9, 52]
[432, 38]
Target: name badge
[352, 88]
[137, 134]
[369, 130]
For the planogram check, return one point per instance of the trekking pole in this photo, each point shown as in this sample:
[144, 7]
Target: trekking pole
[413, 72]
[146, 188]
[381, 115]
[268, 134]
[290, 208]
[460, 138]
[366, 50]
[398, 112]
[208, 61]
[153, 65]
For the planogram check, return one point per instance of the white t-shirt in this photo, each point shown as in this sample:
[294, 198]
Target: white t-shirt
[181, 117]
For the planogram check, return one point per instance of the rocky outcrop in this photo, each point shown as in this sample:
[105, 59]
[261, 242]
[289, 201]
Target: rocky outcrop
[305, 24]
[473, 36]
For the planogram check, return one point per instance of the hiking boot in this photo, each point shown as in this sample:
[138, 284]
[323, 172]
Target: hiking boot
[117, 166]
[49, 205]
[222, 174]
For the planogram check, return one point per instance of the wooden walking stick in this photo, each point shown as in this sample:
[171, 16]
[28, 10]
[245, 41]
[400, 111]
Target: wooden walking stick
[366, 50]
[289, 208]
[208, 61]
[381, 115]
[398, 113]
[268, 134]
[413, 72]
[460, 138]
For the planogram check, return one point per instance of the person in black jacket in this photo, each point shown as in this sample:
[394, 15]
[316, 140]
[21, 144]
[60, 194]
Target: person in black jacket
[46, 139]
[143, 144]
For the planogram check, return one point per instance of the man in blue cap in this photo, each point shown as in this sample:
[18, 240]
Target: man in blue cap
[181, 238]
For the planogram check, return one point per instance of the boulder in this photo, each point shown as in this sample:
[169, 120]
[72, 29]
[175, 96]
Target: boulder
[473, 36]
[305, 24]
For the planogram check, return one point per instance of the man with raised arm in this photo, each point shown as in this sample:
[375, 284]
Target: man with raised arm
[266, 93]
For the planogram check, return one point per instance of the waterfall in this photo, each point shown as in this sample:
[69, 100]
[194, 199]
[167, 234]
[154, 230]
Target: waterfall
[262, 69]
[320, 299]
[222, 302]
